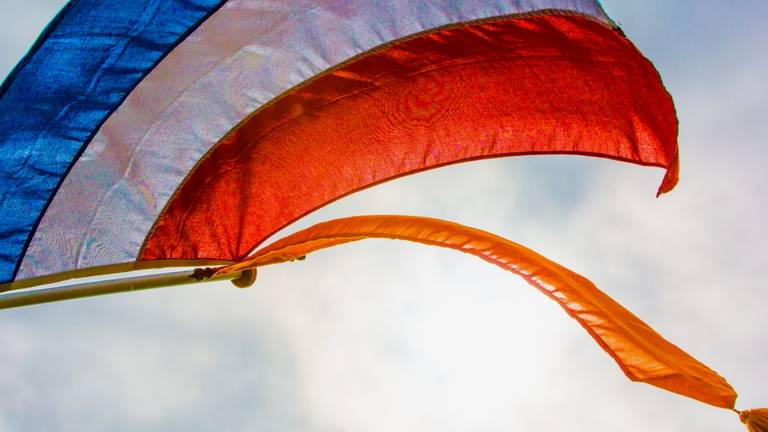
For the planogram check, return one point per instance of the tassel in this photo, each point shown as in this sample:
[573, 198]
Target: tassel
[756, 420]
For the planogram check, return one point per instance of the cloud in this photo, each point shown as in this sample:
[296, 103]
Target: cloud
[382, 335]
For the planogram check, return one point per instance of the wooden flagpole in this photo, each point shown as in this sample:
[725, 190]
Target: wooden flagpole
[30, 297]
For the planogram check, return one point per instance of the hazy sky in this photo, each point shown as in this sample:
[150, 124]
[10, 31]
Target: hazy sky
[391, 336]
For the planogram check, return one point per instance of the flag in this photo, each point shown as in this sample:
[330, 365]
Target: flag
[151, 133]
[155, 133]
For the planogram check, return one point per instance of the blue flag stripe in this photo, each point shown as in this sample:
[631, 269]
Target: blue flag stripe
[78, 72]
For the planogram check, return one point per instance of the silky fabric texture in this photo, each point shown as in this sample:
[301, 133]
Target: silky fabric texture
[544, 84]
[640, 352]
[242, 56]
[756, 420]
[88, 59]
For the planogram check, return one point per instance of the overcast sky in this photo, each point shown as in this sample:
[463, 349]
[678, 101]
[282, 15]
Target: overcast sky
[391, 336]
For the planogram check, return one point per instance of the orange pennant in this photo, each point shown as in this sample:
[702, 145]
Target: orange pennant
[640, 352]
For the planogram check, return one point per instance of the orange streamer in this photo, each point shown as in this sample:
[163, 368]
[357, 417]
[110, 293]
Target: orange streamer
[640, 352]
[756, 420]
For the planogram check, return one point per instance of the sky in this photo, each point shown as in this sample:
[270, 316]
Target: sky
[383, 335]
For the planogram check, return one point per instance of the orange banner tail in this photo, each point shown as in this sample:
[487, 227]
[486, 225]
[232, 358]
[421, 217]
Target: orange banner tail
[640, 352]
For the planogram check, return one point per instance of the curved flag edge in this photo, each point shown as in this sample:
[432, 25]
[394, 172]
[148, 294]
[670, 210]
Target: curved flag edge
[49, 29]
[44, 35]
[670, 178]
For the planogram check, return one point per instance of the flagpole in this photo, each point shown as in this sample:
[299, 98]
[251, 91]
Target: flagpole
[30, 297]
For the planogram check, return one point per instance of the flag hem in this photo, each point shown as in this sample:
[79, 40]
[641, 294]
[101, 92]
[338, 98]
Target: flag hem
[109, 269]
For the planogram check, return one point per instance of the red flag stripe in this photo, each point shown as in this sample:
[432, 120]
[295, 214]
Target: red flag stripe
[547, 84]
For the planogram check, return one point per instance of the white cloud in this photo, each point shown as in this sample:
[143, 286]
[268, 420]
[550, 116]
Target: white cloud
[383, 335]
